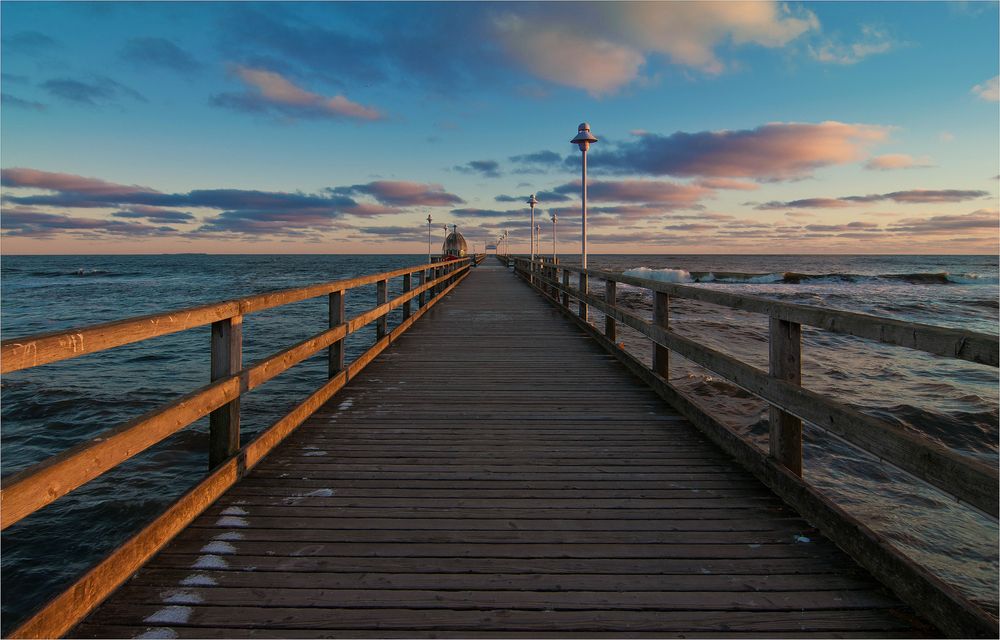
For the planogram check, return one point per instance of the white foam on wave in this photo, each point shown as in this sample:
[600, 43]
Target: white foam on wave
[971, 278]
[663, 275]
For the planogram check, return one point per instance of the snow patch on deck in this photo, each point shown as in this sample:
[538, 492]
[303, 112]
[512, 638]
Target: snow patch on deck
[218, 546]
[210, 562]
[171, 615]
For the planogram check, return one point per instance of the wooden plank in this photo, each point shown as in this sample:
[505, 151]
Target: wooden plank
[226, 360]
[785, 358]
[515, 619]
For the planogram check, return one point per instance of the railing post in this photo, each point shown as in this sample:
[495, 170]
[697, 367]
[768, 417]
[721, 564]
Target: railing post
[407, 285]
[583, 292]
[227, 359]
[381, 297]
[335, 354]
[421, 297]
[565, 281]
[610, 297]
[661, 318]
[785, 354]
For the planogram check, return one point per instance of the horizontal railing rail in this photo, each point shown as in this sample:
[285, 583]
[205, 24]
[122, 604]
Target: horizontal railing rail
[968, 479]
[29, 490]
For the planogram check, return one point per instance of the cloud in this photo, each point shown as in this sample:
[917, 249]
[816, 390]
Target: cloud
[27, 223]
[482, 213]
[873, 41]
[270, 92]
[404, 194]
[777, 151]
[20, 103]
[850, 226]
[805, 203]
[728, 183]
[989, 90]
[155, 214]
[912, 196]
[892, 161]
[486, 168]
[506, 198]
[28, 42]
[557, 54]
[50, 181]
[97, 91]
[614, 41]
[943, 224]
[251, 222]
[158, 52]
[668, 195]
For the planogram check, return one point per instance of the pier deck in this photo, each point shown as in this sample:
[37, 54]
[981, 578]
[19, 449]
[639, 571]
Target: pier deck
[495, 473]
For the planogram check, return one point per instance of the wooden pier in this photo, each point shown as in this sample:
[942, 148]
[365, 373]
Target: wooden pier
[498, 471]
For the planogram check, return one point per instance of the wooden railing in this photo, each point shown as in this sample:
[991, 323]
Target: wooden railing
[968, 479]
[27, 491]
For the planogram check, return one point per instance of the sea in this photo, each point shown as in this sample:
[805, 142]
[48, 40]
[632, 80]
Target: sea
[51, 408]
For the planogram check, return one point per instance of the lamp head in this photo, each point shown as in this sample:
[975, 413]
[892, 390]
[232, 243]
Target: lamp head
[584, 138]
[429, 219]
[532, 201]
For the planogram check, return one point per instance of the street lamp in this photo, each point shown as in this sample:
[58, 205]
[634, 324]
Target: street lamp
[554, 218]
[429, 220]
[532, 201]
[584, 138]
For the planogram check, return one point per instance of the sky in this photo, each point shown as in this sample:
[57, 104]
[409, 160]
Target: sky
[723, 127]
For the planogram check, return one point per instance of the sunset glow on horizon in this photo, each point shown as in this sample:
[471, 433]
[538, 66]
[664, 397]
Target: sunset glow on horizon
[724, 127]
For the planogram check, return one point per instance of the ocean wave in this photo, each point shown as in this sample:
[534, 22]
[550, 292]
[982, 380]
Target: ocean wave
[681, 276]
[78, 272]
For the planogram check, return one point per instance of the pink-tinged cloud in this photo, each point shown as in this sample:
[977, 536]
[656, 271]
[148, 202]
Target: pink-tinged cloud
[601, 47]
[872, 41]
[270, 91]
[777, 151]
[850, 226]
[66, 182]
[989, 90]
[668, 195]
[403, 194]
[891, 161]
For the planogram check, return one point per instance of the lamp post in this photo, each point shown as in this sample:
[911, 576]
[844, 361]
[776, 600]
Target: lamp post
[554, 218]
[532, 201]
[584, 138]
[429, 220]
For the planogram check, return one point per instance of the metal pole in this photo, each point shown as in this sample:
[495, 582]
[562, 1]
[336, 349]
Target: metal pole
[532, 237]
[583, 257]
[553, 238]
